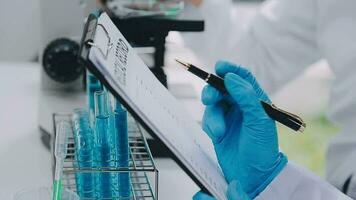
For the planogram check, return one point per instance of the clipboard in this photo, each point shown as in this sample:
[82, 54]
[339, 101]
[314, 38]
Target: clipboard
[91, 28]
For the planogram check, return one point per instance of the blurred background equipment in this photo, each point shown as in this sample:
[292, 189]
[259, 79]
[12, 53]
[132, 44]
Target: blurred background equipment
[145, 8]
[148, 34]
[145, 24]
[60, 61]
[62, 89]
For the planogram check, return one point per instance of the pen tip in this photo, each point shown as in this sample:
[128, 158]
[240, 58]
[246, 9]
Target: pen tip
[186, 65]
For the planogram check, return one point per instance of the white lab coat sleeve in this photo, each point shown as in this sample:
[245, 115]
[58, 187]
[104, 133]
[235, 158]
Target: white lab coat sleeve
[280, 42]
[296, 183]
[219, 30]
[336, 36]
[277, 44]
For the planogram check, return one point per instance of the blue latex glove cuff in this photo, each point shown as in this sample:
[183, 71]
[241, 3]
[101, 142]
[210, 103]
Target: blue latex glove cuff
[283, 160]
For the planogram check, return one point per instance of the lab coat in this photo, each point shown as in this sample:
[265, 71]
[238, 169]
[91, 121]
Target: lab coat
[296, 183]
[282, 40]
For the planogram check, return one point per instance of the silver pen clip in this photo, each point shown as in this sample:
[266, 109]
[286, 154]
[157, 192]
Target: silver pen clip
[295, 118]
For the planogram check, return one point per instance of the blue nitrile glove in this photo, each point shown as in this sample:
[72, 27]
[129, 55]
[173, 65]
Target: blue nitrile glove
[244, 136]
[234, 192]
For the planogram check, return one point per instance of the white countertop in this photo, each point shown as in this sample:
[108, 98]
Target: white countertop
[24, 161]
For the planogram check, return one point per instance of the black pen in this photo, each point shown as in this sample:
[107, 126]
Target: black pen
[288, 119]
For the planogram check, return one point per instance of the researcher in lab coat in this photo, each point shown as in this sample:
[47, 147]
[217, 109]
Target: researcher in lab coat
[282, 40]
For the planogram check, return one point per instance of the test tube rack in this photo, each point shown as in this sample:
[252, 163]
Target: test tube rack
[142, 168]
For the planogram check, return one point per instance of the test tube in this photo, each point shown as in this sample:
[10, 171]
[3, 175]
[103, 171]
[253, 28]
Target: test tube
[93, 85]
[60, 152]
[122, 150]
[112, 132]
[111, 115]
[83, 140]
[104, 145]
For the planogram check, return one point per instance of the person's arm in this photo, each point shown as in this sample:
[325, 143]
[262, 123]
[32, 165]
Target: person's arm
[292, 183]
[246, 144]
[295, 183]
[336, 36]
[278, 44]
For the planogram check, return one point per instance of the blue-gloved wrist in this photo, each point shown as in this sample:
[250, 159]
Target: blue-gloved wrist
[283, 160]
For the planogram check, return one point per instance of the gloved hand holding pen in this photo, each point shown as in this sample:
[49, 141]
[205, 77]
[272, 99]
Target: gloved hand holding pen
[244, 136]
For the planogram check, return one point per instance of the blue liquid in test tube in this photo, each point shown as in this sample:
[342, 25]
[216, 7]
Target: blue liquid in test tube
[83, 139]
[105, 149]
[111, 117]
[122, 150]
[113, 140]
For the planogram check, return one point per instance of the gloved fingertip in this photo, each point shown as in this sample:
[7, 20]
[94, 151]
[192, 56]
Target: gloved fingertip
[234, 186]
[245, 96]
[214, 123]
[221, 63]
[231, 76]
[202, 196]
[210, 95]
[215, 132]
[233, 82]
[231, 79]
[206, 128]
[222, 67]
[236, 192]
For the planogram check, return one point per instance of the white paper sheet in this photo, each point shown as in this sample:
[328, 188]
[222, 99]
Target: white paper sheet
[131, 78]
